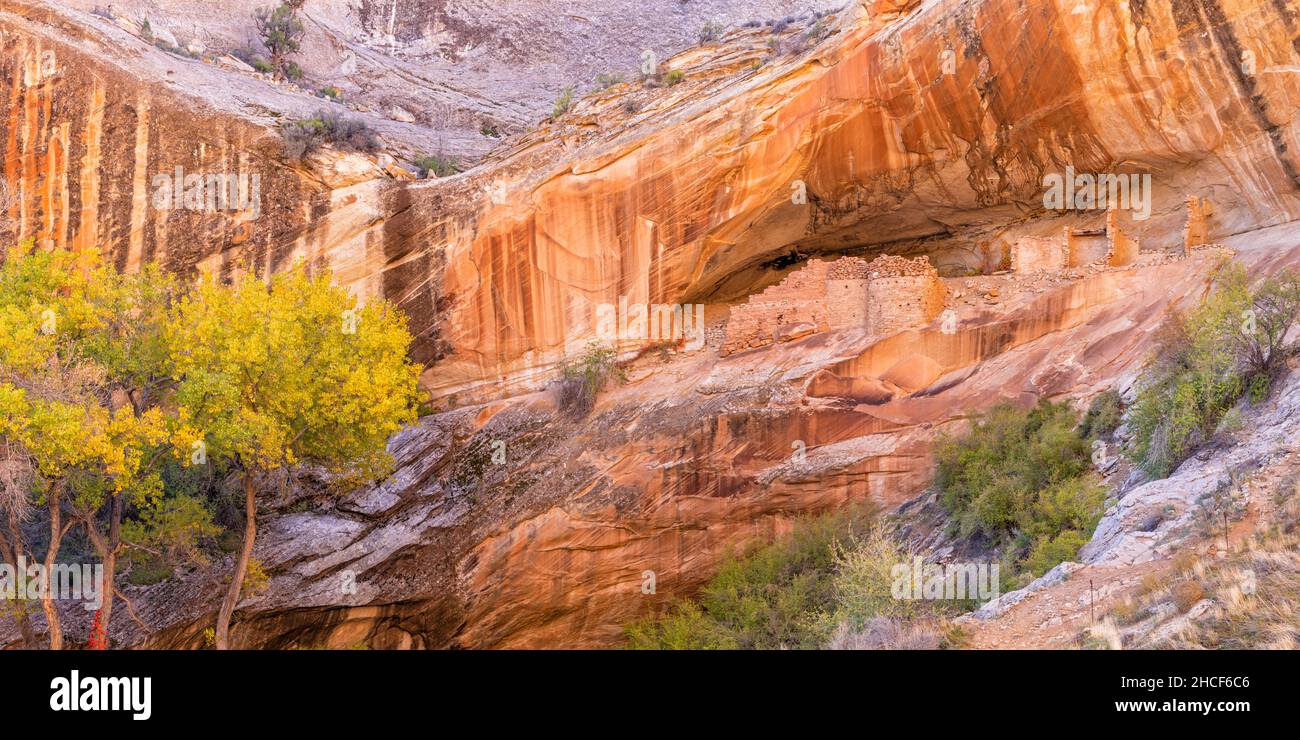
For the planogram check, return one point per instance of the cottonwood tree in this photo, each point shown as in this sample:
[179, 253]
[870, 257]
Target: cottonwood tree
[80, 353]
[76, 446]
[146, 427]
[15, 507]
[289, 373]
[45, 303]
[1275, 309]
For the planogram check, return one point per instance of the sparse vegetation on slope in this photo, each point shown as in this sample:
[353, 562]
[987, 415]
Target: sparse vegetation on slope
[437, 165]
[581, 380]
[1230, 346]
[563, 103]
[1253, 592]
[303, 137]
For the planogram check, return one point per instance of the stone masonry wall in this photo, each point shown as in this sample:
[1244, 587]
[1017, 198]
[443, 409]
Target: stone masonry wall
[846, 293]
[799, 298]
[1038, 254]
[883, 296]
[1124, 249]
[897, 303]
[1197, 230]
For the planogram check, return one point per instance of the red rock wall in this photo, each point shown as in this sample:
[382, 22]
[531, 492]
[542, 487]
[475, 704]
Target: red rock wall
[894, 138]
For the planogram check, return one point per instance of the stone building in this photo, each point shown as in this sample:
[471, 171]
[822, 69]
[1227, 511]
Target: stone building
[885, 295]
[1197, 230]
[1051, 254]
[798, 299]
[902, 293]
[1040, 254]
[1124, 249]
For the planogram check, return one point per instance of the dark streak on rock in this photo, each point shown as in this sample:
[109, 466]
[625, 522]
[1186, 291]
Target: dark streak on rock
[1232, 54]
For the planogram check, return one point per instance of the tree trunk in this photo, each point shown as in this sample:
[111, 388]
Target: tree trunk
[47, 598]
[109, 556]
[11, 553]
[241, 565]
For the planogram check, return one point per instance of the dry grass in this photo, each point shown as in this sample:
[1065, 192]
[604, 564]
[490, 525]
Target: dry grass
[1254, 591]
[1184, 561]
[883, 633]
[1128, 611]
[1151, 583]
[1257, 598]
[1105, 635]
[1186, 595]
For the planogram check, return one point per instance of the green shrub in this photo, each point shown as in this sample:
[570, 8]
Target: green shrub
[1022, 479]
[149, 573]
[1231, 345]
[779, 595]
[489, 130]
[330, 92]
[711, 32]
[674, 77]
[171, 532]
[685, 628]
[1259, 388]
[819, 31]
[1104, 415]
[253, 59]
[864, 578]
[305, 136]
[563, 103]
[989, 479]
[438, 165]
[1050, 551]
[582, 380]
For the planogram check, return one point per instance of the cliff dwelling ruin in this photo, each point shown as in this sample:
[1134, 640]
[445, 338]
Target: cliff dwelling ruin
[882, 296]
[890, 293]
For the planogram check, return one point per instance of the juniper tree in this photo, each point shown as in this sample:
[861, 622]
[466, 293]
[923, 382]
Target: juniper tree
[281, 31]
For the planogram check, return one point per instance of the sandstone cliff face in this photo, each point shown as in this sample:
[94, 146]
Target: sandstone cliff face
[893, 151]
[550, 544]
[927, 131]
[920, 129]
